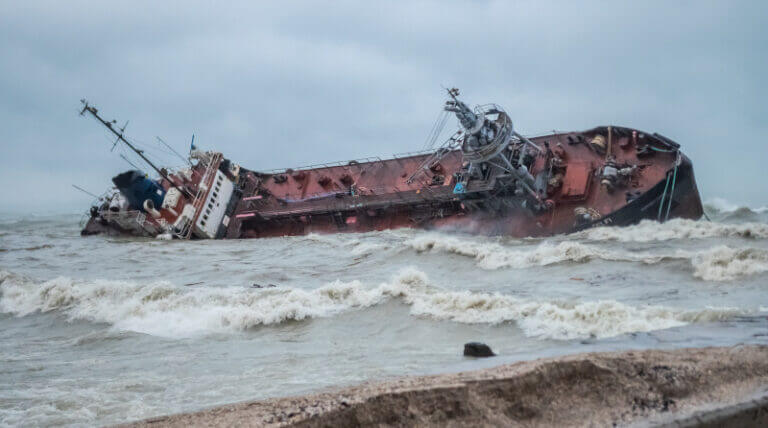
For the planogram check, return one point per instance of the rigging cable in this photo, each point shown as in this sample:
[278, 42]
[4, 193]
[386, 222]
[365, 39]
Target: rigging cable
[661, 202]
[437, 129]
[671, 192]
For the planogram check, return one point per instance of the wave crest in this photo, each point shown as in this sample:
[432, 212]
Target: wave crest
[491, 256]
[164, 309]
[649, 231]
[560, 319]
[724, 263]
[721, 263]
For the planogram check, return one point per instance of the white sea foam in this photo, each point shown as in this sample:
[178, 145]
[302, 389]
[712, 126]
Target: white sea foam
[720, 263]
[491, 255]
[365, 248]
[550, 319]
[648, 231]
[723, 263]
[321, 238]
[163, 309]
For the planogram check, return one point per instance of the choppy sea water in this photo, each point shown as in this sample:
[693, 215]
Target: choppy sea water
[102, 330]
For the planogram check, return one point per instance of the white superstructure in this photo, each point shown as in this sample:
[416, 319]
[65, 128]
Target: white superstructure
[214, 209]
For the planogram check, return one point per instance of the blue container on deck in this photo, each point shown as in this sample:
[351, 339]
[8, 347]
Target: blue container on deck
[137, 188]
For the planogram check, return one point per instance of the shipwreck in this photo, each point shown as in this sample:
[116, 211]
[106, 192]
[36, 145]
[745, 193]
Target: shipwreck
[486, 178]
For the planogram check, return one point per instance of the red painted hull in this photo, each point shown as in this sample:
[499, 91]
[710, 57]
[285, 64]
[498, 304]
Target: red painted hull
[376, 195]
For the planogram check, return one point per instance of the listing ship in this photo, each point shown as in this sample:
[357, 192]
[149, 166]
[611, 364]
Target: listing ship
[486, 178]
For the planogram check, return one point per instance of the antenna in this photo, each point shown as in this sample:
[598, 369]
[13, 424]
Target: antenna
[121, 132]
[95, 113]
[453, 92]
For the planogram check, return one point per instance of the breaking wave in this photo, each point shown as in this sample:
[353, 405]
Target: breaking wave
[164, 309]
[722, 210]
[353, 244]
[491, 255]
[724, 263]
[648, 231]
[721, 263]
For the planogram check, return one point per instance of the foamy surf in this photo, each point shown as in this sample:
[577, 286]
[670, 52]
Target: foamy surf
[649, 231]
[167, 310]
[493, 255]
[164, 309]
[720, 263]
[723, 263]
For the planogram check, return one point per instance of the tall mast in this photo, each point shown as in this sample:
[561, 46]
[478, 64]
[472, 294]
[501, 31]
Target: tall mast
[95, 113]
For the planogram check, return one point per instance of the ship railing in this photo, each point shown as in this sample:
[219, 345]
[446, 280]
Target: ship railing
[97, 202]
[400, 155]
[436, 156]
[132, 220]
[177, 170]
[414, 153]
[202, 191]
[370, 159]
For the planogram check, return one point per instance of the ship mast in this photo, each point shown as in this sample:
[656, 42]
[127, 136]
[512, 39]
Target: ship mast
[95, 113]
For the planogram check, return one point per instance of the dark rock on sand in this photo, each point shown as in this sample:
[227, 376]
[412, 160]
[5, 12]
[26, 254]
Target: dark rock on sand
[477, 349]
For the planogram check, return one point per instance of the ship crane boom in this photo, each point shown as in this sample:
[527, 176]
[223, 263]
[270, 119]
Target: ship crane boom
[485, 141]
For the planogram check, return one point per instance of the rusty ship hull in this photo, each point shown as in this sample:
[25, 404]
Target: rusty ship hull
[384, 200]
[486, 180]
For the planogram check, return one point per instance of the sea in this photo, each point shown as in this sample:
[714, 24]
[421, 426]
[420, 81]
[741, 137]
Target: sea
[103, 330]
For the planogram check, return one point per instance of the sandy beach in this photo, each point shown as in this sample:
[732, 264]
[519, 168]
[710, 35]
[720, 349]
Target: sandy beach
[641, 388]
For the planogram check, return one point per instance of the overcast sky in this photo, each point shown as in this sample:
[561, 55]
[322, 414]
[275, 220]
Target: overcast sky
[292, 83]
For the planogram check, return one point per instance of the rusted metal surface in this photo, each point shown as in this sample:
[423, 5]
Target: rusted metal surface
[578, 177]
[376, 195]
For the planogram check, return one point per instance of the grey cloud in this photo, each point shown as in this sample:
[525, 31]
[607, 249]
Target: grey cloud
[291, 83]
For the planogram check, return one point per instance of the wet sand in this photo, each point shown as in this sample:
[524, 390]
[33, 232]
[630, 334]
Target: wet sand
[649, 387]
